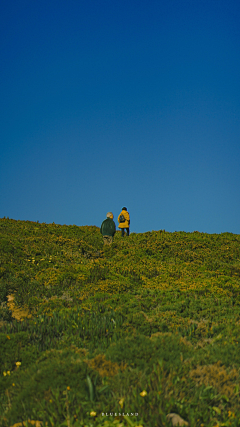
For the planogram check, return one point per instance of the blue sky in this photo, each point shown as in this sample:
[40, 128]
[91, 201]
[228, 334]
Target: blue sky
[107, 104]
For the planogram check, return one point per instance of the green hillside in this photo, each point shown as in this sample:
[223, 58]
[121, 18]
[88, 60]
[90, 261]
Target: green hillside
[118, 336]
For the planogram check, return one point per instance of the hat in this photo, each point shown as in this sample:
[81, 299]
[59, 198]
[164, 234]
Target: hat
[124, 209]
[110, 215]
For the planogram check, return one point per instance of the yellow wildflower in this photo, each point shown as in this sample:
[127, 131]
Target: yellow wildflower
[18, 363]
[8, 372]
[68, 388]
[93, 414]
[121, 402]
[143, 393]
[4, 373]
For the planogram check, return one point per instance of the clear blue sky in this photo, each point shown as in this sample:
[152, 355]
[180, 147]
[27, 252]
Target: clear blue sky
[107, 104]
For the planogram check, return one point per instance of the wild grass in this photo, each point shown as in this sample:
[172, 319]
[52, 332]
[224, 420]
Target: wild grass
[118, 336]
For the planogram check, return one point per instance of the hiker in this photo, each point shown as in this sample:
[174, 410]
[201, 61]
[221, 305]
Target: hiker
[108, 229]
[124, 221]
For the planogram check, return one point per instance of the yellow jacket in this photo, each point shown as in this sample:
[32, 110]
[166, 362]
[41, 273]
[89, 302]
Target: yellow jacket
[127, 219]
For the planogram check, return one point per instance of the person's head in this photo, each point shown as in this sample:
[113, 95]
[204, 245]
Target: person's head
[110, 215]
[124, 209]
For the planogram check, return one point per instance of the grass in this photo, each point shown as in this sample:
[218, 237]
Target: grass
[118, 336]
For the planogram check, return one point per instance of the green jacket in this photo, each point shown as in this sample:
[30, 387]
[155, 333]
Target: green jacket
[108, 227]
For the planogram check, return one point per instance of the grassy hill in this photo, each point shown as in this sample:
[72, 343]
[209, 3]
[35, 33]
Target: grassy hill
[142, 329]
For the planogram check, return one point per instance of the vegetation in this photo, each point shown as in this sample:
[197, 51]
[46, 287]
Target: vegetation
[118, 336]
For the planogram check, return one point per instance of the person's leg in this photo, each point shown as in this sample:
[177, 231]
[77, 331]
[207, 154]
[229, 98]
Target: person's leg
[127, 231]
[122, 232]
[110, 239]
[105, 240]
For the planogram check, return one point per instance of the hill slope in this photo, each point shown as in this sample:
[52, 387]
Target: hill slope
[144, 328]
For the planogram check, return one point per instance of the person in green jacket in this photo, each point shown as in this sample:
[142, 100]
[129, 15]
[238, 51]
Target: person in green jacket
[108, 229]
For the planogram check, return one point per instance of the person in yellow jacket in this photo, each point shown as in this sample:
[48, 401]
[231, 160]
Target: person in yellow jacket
[124, 221]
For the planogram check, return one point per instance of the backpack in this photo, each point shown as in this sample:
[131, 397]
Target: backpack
[122, 218]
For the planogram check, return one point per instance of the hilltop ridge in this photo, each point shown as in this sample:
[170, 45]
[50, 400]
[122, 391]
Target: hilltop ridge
[165, 305]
